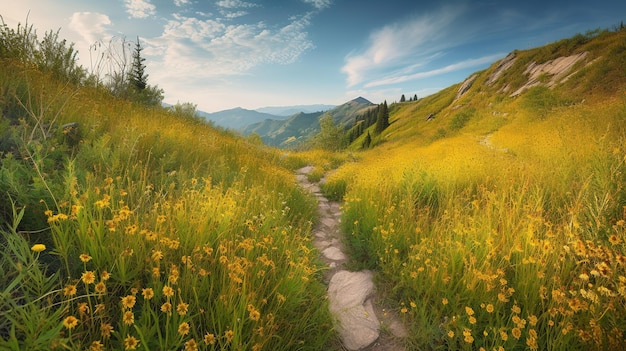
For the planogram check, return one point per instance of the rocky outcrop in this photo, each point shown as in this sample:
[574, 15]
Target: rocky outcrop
[465, 86]
[549, 73]
[504, 64]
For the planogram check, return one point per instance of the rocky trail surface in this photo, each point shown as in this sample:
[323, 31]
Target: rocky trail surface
[360, 321]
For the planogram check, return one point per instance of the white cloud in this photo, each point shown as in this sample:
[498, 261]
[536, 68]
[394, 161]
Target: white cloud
[427, 74]
[319, 4]
[139, 8]
[180, 3]
[401, 43]
[231, 15]
[211, 47]
[235, 4]
[91, 26]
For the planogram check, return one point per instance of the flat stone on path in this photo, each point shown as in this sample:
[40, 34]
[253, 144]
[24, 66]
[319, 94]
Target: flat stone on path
[333, 253]
[348, 297]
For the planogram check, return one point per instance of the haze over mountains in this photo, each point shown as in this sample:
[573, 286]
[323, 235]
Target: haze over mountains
[281, 126]
[238, 118]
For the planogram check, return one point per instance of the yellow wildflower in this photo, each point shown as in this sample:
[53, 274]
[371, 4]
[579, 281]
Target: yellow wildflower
[105, 275]
[182, 308]
[228, 335]
[614, 239]
[183, 328]
[166, 307]
[128, 318]
[88, 277]
[83, 308]
[129, 301]
[69, 290]
[444, 301]
[130, 343]
[101, 288]
[516, 332]
[85, 258]
[38, 247]
[147, 293]
[70, 322]
[168, 291]
[191, 345]
[255, 315]
[468, 338]
[209, 339]
[489, 308]
[157, 255]
[96, 346]
[105, 330]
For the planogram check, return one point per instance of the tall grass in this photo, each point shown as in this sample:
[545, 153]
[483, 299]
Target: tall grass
[518, 243]
[158, 232]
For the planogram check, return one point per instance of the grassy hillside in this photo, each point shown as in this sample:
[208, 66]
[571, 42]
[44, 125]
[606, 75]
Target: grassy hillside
[123, 225]
[499, 223]
[495, 218]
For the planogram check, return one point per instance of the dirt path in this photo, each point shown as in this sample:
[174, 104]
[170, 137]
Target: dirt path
[361, 322]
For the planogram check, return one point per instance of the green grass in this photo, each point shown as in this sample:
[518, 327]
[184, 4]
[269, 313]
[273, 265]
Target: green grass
[191, 226]
[499, 224]
[504, 229]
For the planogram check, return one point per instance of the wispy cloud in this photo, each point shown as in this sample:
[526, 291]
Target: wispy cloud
[435, 72]
[180, 3]
[215, 47]
[235, 4]
[139, 8]
[319, 4]
[401, 43]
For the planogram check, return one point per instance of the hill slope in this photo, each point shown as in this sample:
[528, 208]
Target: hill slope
[125, 225]
[499, 203]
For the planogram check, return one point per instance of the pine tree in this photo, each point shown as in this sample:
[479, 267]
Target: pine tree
[138, 78]
[402, 98]
[367, 141]
[415, 97]
[382, 121]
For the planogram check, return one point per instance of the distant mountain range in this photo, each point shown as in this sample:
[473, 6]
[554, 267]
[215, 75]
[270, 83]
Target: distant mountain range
[286, 126]
[238, 118]
[301, 126]
[288, 111]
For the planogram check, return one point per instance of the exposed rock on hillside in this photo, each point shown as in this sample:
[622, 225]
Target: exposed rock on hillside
[504, 64]
[549, 73]
[465, 86]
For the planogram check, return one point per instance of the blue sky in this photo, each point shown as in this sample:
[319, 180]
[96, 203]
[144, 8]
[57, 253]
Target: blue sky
[221, 54]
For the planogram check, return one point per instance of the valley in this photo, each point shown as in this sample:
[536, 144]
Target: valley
[490, 215]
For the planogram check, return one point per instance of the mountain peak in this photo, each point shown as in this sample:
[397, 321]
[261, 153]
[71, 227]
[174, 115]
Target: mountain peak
[361, 100]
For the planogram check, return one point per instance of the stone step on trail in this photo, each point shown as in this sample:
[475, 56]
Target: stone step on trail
[349, 301]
